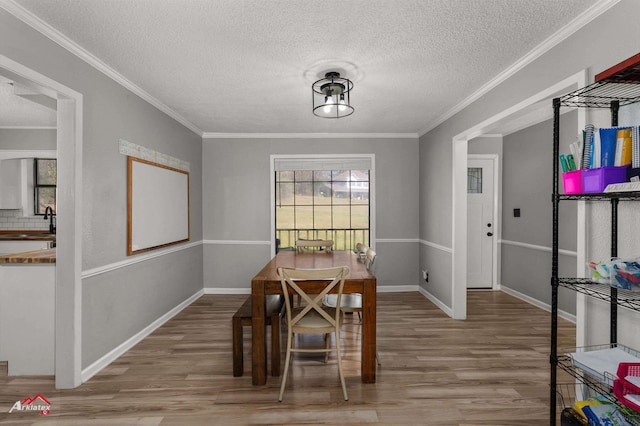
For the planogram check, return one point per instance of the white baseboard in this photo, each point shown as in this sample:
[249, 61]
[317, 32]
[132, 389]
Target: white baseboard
[536, 302]
[107, 359]
[444, 308]
[396, 288]
[221, 290]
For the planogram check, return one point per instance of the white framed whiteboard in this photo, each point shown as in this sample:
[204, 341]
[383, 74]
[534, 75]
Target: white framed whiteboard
[158, 206]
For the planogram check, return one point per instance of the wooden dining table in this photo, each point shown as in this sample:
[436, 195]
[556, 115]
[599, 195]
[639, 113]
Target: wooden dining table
[359, 280]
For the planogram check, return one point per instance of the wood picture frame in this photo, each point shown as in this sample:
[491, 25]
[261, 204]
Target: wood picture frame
[158, 207]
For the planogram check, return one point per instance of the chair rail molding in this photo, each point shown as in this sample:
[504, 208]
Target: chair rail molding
[436, 246]
[137, 259]
[537, 247]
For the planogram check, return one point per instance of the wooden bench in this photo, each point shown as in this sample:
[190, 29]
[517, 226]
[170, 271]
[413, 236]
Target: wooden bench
[274, 308]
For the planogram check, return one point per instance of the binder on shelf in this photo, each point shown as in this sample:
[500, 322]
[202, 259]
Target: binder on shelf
[635, 147]
[606, 414]
[626, 151]
[588, 145]
[608, 145]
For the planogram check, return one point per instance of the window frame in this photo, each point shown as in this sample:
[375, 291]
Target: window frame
[310, 161]
[37, 186]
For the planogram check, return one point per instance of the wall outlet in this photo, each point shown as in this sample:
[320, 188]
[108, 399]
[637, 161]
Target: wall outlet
[425, 275]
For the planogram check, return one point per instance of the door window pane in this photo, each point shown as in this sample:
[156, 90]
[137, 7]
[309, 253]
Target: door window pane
[474, 180]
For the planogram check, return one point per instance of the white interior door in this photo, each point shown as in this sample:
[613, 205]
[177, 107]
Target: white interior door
[480, 226]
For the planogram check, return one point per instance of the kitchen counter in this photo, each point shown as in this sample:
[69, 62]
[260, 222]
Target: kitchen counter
[26, 235]
[36, 256]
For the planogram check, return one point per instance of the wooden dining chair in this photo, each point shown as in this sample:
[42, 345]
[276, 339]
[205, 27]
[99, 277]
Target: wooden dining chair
[320, 245]
[352, 303]
[369, 259]
[361, 251]
[313, 317]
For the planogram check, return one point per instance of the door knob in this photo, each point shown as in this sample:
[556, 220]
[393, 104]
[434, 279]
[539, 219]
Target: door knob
[489, 234]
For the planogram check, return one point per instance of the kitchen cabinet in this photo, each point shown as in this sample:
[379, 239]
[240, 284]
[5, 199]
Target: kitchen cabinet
[27, 318]
[11, 184]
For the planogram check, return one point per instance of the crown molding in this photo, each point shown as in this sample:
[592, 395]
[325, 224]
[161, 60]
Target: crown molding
[211, 135]
[562, 34]
[65, 42]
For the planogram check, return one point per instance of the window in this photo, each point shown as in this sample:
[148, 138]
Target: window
[45, 180]
[321, 204]
[474, 180]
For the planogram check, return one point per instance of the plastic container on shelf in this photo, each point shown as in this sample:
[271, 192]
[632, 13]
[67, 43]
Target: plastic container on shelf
[625, 395]
[629, 372]
[626, 388]
[619, 273]
[572, 182]
[625, 274]
[596, 180]
[599, 272]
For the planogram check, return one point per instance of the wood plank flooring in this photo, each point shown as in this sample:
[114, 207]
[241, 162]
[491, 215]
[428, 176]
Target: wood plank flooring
[492, 369]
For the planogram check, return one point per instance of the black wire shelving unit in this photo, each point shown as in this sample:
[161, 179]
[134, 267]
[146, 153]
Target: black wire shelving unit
[621, 89]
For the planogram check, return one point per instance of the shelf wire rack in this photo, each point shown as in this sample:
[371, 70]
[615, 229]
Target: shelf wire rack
[625, 298]
[590, 385]
[601, 93]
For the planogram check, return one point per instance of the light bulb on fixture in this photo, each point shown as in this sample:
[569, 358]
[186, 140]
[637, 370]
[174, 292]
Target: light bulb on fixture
[342, 106]
[328, 101]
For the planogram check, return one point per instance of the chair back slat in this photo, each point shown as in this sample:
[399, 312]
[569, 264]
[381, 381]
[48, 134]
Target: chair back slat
[323, 245]
[289, 278]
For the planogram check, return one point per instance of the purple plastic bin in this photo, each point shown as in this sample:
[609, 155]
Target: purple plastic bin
[596, 180]
[572, 182]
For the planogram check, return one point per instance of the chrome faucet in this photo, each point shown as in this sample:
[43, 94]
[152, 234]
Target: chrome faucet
[49, 211]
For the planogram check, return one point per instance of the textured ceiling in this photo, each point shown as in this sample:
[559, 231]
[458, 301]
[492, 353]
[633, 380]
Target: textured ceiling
[246, 66]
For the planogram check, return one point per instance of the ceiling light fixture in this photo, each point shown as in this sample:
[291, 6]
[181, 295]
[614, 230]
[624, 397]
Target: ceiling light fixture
[332, 96]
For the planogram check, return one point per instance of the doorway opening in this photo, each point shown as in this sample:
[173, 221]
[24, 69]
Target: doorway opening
[68, 359]
[530, 111]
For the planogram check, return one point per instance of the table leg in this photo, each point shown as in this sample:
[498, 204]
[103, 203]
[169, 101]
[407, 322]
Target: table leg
[258, 331]
[369, 331]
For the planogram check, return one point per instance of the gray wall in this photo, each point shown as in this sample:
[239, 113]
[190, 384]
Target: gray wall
[605, 41]
[237, 210]
[527, 185]
[486, 145]
[31, 139]
[116, 304]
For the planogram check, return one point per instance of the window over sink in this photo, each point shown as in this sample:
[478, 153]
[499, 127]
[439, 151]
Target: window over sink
[45, 173]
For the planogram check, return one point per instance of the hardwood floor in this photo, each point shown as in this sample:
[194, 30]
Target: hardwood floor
[492, 369]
